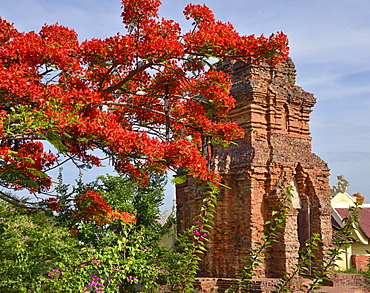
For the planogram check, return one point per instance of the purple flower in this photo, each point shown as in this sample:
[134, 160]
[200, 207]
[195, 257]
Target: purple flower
[93, 283]
[54, 274]
[132, 279]
[94, 260]
[196, 233]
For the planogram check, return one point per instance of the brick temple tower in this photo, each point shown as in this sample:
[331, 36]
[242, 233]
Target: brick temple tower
[275, 152]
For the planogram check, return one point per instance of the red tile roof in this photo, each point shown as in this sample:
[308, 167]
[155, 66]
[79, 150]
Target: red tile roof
[364, 219]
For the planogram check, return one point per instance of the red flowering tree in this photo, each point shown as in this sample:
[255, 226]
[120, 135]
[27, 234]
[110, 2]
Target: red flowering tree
[146, 99]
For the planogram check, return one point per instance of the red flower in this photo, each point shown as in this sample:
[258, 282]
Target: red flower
[53, 204]
[91, 207]
[146, 98]
[74, 231]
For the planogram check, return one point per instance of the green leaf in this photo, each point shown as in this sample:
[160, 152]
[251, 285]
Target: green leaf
[179, 179]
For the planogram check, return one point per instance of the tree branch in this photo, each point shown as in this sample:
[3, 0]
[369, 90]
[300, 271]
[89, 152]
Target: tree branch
[140, 108]
[16, 202]
[128, 77]
[23, 136]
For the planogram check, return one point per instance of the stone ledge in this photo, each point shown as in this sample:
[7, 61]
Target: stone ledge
[339, 282]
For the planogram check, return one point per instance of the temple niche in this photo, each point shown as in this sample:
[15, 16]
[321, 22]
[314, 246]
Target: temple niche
[275, 152]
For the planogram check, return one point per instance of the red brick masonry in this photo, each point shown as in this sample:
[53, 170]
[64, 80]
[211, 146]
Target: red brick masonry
[352, 283]
[274, 153]
[360, 262]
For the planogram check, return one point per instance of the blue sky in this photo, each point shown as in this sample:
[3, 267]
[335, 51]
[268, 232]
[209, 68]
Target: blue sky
[330, 46]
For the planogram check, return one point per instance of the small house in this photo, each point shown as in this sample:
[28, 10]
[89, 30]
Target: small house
[357, 255]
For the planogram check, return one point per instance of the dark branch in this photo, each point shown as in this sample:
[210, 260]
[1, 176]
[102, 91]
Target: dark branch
[23, 136]
[128, 77]
[17, 202]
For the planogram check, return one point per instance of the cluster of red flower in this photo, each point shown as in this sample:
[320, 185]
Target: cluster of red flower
[91, 207]
[28, 162]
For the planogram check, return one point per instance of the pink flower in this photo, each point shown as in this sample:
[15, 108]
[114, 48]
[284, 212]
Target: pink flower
[54, 274]
[95, 261]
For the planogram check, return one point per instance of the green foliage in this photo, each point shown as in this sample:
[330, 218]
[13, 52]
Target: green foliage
[31, 246]
[39, 254]
[355, 272]
[122, 194]
[191, 245]
[179, 179]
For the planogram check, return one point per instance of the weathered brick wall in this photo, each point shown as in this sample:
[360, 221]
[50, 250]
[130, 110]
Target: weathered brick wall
[360, 262]
[275, 152]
